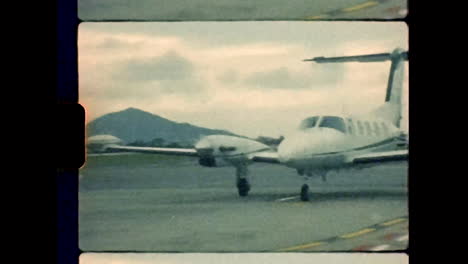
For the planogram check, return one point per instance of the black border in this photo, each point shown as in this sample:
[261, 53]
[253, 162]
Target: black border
[69, 132]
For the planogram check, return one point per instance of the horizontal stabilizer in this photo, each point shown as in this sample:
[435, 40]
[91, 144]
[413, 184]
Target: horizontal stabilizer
[360, 58]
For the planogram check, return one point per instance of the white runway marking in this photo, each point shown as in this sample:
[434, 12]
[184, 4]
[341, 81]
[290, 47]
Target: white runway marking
[287, 199]
[381, 247]
[402, 238]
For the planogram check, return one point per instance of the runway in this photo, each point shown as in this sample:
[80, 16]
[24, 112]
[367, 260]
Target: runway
[147, 203]
[200, 10]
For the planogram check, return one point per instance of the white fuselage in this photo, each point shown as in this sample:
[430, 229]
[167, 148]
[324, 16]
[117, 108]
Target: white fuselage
[320, 145]
[313, 148]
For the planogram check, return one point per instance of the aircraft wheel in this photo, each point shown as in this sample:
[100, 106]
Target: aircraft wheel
[305, 192]
[243, 187]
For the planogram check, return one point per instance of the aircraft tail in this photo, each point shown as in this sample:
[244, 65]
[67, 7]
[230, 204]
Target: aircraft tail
[391, 110]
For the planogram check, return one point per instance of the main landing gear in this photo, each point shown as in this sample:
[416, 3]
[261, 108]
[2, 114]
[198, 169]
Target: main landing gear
[243, 186]
[305, 187]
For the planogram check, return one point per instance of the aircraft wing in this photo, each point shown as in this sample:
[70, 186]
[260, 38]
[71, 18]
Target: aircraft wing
[379, 157]
[167, 151]
[266, 156]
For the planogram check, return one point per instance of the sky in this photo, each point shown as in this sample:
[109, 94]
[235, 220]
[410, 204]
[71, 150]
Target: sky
[245, 77]
[245, 258]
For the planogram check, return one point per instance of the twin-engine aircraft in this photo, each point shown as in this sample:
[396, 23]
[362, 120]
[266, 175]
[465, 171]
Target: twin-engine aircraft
[320, 144]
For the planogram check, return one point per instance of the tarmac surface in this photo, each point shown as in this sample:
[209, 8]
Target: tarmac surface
[200, 10]
[175, 205]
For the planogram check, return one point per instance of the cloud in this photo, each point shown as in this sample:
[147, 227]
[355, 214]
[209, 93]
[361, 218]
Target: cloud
[186, 87]
[249, 50]
[169, 66]
[117, 91]
[284, 78]
[228, 77]
[137, 82]
[112, 43]
[279, 78]
[169, 73]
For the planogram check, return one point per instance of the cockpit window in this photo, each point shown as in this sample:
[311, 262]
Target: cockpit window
[309, 122]
[334, 122]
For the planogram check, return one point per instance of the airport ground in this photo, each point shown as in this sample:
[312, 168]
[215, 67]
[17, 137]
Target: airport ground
[138, 202]
[247, 10]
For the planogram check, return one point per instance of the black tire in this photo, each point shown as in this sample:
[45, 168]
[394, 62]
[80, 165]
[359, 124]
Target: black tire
[243, 187]
[305, 193]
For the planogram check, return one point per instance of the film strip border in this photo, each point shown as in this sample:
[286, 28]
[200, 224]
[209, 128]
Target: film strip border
[366, 230]
[346, 10]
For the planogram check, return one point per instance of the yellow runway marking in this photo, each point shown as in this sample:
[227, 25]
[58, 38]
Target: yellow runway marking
[360, 6]
[310, 245]
[349, 235]
[316, 17]
[358, 233]
[392, 222]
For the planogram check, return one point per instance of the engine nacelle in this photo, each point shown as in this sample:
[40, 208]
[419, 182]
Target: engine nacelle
[223, 150]
[100, 143]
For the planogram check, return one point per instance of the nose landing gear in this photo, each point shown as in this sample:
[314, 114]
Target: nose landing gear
[243, 186]
[305, 187]
[305, 192]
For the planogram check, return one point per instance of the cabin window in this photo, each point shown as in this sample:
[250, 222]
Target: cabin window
[360, 127]
[376, 128]
[334, 122]
[368, 128]
[309, 122]
[350, 126]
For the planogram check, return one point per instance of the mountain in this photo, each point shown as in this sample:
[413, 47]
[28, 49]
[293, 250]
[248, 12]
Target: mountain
[133, 124]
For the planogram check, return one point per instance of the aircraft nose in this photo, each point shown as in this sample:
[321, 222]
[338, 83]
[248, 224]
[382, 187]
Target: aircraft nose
[305, 144]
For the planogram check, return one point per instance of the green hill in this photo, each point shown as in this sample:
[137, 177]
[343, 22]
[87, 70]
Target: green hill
[134, 125]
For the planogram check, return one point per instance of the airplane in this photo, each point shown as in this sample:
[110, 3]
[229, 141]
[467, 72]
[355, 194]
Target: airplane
[320, 144]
